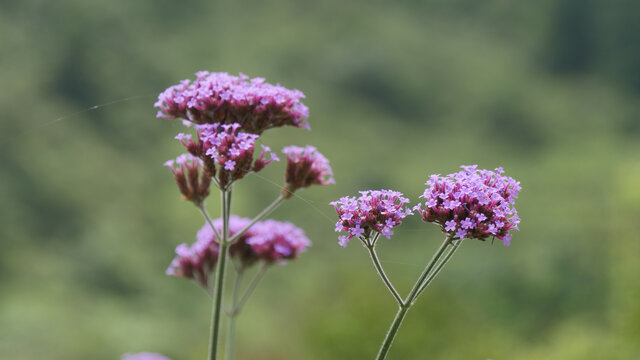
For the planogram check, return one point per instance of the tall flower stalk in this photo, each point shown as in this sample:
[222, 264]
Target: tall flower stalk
[220, 271]
[469, 204]
[229, 113]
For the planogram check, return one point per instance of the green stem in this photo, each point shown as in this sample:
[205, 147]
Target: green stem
[254, 283]
[232, 315]
[391, 334]
[427, 270]
[219, 283]
[259, 217]
[403, 309]
[444, 262]
[385, 279]
[206, 216]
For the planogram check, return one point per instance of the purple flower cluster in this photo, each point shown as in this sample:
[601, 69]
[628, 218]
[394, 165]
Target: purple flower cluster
[275, 241]
[472, 203]
[374, 210]
[222, 98]
[227, 152]
[198, 260]
[144, 356]
[269, 241]
[305, 167]
[192, 182]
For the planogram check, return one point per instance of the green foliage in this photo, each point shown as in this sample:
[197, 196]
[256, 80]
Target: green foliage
[397, 91]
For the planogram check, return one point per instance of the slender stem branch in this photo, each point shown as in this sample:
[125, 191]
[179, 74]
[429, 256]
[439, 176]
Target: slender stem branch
[374, 240]
[427, 270]
[393, 330]
[385, 279]
[232, 315]
[444, 262]
[219, 283]
[238, 304]
[259, 217]
[254, 283]
[403, 309]
[206, 216]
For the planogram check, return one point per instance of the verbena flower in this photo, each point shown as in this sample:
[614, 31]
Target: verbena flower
[275, 241]
[144, 356]
[195, 261]
[305, 167]
[222, 98]
[198, 260]
[227, 152]
[270, 241]
[472, 203]
[374, 211]
[192, 180]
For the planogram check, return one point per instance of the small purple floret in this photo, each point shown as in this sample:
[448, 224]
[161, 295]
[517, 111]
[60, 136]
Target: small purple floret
[190, 176]
[305, 167]
[269, 241]
[226, 151]
[198, 260]
[276, 241]
[224, 99]
[374, 211]
[472, 203]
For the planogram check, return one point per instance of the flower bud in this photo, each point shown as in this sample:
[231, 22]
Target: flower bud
[193, 182]
[305, 167]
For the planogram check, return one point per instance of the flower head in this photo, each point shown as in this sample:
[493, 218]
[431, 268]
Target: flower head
[226, 152]
[269, 241]
[472, 203]
[193, 181]
[275, 241]
[144, 356]
[374, 211]
[222, 98]
[305, 167]
[198, 260]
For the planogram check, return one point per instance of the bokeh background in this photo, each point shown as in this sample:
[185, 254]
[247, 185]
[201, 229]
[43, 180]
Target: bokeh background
[398, 90]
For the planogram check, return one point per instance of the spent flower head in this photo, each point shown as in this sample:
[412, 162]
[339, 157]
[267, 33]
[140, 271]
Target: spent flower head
[374, 211]
[222, 98]
[191, 176]
[305, 167]
[472, 203]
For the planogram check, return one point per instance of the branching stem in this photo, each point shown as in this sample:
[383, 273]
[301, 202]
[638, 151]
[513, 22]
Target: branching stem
[219, 276]
[370, 245]
[237, 307]
[207, 218]
[444, 262]
[258, 217]
[410, 299]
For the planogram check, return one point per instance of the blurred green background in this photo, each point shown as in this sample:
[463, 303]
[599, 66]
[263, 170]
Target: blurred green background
[550, 90]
